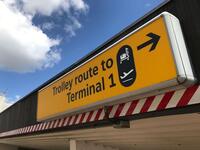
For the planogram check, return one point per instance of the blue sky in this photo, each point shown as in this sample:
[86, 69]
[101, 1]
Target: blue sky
[74, 31]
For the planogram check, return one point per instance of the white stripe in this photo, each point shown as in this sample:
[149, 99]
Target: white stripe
[113, 111]
[52, 124]
[93, 115]
[86, 116]
[196, 97]
[156, 102]
[31, 129]
[55, 125]
[43, 125]
[72, 120]
[139, 106]
[18, 131]
[61, 122]
[125, 109]
[78, 119]
[47, 126]
[34, 128]
[175, 98]
[43, 128]
[26, 129]
[66, 121]
[37, 128]
[40, 127]
[22, 130]
[101, 117]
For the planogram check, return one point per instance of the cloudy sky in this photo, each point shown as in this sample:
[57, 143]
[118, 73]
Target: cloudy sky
[40, 38]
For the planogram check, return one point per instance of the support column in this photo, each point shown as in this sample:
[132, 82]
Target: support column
[7, 147]
[83, 145]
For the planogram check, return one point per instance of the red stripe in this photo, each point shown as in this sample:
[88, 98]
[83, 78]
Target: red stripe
[68, 122]
[119, 110]
[64, 121]
[56, 124]
[44, 126]
[82, 117]
[147, 104]
[89, 116]
[52, 123]
[41, 126]
[98, 114]
[27, 129]
[48, 124]
[36, 127]
[33, 128]
[165, 100]
[108, 113]
[187, 96]
[75, 119]
[61, 122]
[132, 107]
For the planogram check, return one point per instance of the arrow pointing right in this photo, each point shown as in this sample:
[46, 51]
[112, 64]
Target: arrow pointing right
[154, 41]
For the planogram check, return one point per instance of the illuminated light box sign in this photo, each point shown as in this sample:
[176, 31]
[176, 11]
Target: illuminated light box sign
[151, 58]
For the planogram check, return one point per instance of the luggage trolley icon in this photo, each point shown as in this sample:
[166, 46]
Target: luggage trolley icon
[124, 56]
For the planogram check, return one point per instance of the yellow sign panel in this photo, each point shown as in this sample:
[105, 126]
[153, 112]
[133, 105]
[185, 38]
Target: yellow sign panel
[141, 61]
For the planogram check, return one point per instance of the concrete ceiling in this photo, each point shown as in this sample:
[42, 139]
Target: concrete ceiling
[177, 132]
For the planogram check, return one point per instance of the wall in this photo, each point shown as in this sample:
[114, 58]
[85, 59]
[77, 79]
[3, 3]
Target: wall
[21, 114]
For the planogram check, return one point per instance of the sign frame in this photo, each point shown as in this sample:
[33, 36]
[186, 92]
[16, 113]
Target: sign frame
[184, 79]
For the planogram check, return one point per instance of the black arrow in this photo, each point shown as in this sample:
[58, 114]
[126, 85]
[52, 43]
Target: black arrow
[154, 41]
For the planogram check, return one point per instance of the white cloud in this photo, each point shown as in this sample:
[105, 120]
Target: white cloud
[72, 26]
[48, 26]
[47, 7]
[4, 102]
[23, 46]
